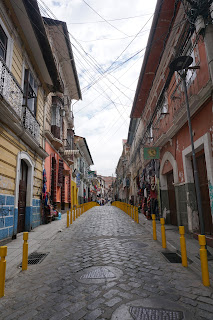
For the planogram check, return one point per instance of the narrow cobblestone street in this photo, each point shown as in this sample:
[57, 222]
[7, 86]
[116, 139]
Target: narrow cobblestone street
[105, 266]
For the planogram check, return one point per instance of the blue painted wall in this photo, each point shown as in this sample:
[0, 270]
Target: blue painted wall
[9, 216]
[6, 216]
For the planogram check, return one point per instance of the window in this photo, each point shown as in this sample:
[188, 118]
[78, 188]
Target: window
[3, 44]
[191, 74]
[56, 116]
[30, 91]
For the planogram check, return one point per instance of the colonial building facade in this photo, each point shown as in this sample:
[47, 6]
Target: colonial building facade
[28, 73]
[159, 116]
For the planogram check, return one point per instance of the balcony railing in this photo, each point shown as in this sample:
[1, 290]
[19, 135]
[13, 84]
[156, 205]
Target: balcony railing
[13, 95]
[10, 89]
[31, 124]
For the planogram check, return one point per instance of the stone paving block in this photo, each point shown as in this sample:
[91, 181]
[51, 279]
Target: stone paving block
[78, 315]
[188, 301]
[113, 301]
[111, 293]
[95, 304]
[60, 315]
[204, 315]
[28, 315]
[93, 315]
[12, 315]
[76, 306]
[134, 284]
[126, 295]
[206, 300]
[206, 307]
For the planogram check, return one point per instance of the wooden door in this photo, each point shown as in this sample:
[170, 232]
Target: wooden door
[22, 196]
[204, 190]
[172, 200]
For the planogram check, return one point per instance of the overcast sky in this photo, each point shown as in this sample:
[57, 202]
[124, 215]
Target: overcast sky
[104, 35]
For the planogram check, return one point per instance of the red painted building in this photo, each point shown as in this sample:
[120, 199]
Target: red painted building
[160, 108]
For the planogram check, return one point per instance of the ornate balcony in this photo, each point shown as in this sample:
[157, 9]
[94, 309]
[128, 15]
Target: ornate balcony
[15, 114]
[10, 90]
[31, 124]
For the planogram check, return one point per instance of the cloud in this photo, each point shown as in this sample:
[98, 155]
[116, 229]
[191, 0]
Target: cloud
[102, 117]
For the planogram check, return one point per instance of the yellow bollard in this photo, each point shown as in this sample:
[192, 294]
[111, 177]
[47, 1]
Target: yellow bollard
[163, 233]
[3, 253]
[137, 216]
[154, 227]
[68, 222]
[204, 260]
[73, 213]
[183, 246]
[71, 216]
[25, 251]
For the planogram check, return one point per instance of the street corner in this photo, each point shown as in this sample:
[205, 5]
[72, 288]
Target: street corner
[99, 274]
[154, 308]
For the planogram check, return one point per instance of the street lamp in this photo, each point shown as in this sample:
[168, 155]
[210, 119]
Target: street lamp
[182, 64]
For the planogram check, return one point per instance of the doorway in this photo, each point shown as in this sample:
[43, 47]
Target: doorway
[22, 196]
[172, 200]
[204, 190]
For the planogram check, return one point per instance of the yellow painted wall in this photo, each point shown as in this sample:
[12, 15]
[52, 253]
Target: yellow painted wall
[17, 63]
[9, 149]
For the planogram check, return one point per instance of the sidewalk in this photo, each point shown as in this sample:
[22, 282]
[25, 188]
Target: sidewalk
[39, 236]
[173, 244]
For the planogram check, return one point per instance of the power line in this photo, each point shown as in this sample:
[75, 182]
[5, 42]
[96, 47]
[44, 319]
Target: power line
[110, 20]
[104, 18]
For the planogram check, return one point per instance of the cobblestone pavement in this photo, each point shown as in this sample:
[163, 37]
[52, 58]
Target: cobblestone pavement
[105, 266]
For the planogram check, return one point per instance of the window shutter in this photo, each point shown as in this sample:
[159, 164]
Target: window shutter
[60, 172]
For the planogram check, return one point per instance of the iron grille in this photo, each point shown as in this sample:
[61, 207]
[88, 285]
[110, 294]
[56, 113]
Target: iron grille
[172, 257]
[35, 258]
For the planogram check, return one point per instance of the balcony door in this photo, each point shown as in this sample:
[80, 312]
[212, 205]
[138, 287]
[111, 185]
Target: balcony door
[22, 196]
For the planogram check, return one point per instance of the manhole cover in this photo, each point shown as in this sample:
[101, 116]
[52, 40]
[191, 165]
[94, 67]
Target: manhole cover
[139, 313]
[35, 258]
[99, 273]
[158, 308]
[172, 257]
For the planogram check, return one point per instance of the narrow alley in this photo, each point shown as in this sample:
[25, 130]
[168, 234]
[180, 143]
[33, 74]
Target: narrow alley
[104, 266]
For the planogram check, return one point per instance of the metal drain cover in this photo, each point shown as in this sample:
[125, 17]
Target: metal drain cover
[157, 308]
[99, 273]
[172, 257]
[140, 313]
[35, 258]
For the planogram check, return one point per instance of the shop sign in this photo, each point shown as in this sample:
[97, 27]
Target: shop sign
[151, 153]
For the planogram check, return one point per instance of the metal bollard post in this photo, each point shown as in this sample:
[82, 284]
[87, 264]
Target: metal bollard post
[183, 246]
[68, 222]
[73, 213]
[3, 253]
[137, 216]
[154, 227]
[25, 251]
[204, 260]
[163, 233]
[71, 216]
